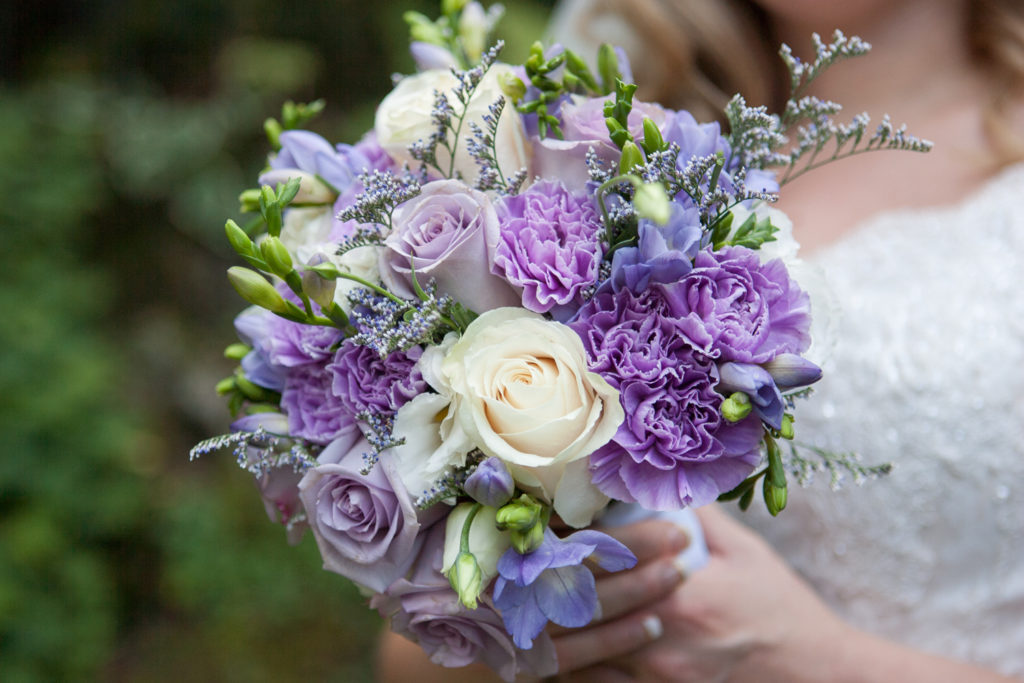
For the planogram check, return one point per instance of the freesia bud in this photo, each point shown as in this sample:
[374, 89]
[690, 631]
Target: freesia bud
[249, 200]
[466, 579]
[736, 407]
[423, 29]
[786, 430]
[519, 515]
[317, 287]
[775, 497]
[255, 289]
[276, 256]
[651, 201]
[790, 370]
[240, 241]
[490, 484]
[486, 543]
[511, 85]
[631, 155]
[237, 351]
[452, 6]
[312, 190]
[527, 541]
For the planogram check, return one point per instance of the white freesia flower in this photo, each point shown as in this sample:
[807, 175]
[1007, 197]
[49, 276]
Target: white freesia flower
[403, 118]
[485, 541]
[361, 262]
[521, 392]
[304, 230]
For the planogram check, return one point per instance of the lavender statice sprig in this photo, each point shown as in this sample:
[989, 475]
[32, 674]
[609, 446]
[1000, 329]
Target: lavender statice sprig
[372, 208]
[379, 433]
[482, 147]
[386, 323]
[839, 466]
[448, 119]
[260, 451]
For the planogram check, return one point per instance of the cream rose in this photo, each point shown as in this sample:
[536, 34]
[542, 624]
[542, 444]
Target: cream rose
[403, 117]
[521, 392]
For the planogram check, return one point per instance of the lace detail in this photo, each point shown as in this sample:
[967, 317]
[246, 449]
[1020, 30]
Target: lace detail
[928, 373]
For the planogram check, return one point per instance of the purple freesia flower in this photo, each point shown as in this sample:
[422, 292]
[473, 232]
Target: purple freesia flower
[314, 412]
[663, 253]
[757, 383]
[551, 583]
[254, 326]
[425, 609]
[307, 151]
[674, 449]
[491, 483]
[363, 381]
[751, 312]
[279, 486]
[366, 525]
[546, 243]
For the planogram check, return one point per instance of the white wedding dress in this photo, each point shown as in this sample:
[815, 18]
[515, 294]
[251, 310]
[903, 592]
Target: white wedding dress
[927, 372]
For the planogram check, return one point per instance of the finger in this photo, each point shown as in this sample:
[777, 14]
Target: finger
[588, 647]
[722, 533]
[650, 538]
[626, 592]
[597, 674]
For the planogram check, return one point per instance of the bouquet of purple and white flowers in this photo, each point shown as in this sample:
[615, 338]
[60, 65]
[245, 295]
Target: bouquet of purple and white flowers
[523, 294]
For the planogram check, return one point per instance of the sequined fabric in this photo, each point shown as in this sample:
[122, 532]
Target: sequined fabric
[928, 373]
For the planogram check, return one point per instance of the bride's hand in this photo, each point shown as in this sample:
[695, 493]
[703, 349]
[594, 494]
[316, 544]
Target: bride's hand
[745, 616]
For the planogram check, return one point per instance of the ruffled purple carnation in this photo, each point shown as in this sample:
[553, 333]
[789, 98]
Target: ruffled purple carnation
[363, 381]
[674, 449]
[751, 311]
[547, 244]
[314, 412]
[425, 609]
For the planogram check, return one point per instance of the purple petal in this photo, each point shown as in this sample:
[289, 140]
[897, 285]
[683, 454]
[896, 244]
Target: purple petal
[610, 554]
[568, 596]
[523, 618]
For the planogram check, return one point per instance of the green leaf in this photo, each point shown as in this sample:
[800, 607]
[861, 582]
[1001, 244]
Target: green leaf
[754, 232]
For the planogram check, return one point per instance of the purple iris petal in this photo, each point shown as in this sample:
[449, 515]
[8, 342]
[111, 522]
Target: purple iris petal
[757, 383]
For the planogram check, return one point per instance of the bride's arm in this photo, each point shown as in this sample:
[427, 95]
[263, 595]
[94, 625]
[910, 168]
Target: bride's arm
[748, 617]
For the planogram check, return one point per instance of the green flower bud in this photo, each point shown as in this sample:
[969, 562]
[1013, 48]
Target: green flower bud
[651, 201]
[786, 431]
[237, 351]
[318, 288]
[423, 29]
[255, 289]
[631, 155]
[512, 86]
[736, 407]
[653, 141]
[618, 134]
[472, 29]
[774, 497]
[249, 201]
[276, 255]
[240, 241]
[273, 130]
[452, 6]
[527, 541]
[521, 514]
[607, 66]
[466, 579]
[225, 386]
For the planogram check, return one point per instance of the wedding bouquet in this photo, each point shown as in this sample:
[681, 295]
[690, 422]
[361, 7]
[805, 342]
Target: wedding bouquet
[523, 294]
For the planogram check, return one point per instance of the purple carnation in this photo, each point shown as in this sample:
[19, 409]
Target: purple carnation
[662, 254]
[425, 609]
[751, 311]
[546, 243]
[314, 412]
[674, 449]
[363, 381]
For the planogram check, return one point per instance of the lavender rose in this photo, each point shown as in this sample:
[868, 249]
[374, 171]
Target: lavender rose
[425, 609]
[314, 412]
[751, 312]
[366, 525]
[363, 381]
[546, 243]
[674, 449]
[441, 234]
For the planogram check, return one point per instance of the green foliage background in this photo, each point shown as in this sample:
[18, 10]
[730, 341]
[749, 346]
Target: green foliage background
[127, 129]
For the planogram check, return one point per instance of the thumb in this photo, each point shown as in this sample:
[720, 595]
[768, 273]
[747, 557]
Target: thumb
[723, 534]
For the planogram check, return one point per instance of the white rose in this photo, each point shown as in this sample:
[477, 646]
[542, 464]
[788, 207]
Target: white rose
[403, 118]
[521, 392]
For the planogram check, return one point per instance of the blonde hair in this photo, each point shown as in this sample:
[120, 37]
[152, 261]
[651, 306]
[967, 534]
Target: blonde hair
[703, 51]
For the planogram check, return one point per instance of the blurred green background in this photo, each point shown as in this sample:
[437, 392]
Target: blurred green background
[127, 129]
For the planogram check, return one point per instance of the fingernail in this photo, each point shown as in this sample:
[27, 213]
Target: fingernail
[598, 612]
[680, 566]
[652, 627]
[678, 538]
[672, 572]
